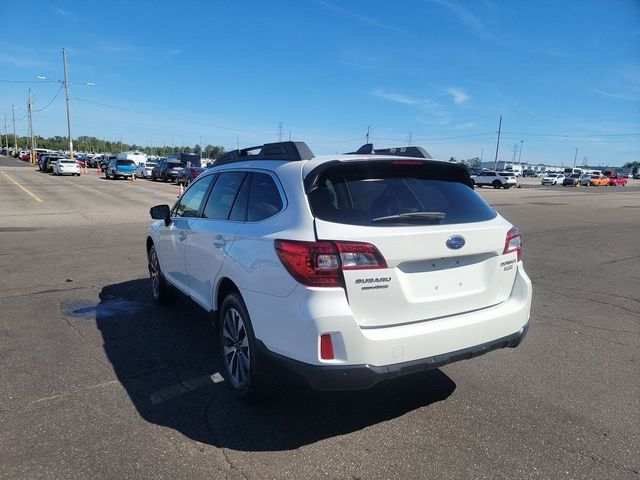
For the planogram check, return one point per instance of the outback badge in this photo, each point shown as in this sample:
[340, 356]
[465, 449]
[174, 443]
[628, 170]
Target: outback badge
[456, 242]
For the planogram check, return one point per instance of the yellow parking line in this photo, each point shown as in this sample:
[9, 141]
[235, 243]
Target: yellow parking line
[33, 195]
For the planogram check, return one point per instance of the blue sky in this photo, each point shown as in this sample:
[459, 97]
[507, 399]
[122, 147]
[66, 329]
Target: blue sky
[563, 74]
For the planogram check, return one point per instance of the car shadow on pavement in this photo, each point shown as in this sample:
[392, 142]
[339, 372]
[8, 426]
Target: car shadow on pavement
[167, 360]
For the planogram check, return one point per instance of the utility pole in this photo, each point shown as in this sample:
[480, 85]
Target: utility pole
[515, 150]
[6, 137]
[368, 131]
[495, 162]
[238, 141]
[33, 146]
[66, 87]
[15, 139]
[289, 135]
[520, 154]
[575, 158]
[481, 154]
[280, 131]
[410, 138]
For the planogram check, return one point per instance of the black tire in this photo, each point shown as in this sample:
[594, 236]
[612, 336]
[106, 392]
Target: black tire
[160, 289]
[238, 350]
[496, 184]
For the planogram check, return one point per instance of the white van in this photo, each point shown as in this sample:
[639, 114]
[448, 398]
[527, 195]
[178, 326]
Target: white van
[137, 157]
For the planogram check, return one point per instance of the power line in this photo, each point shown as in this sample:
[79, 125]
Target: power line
[54, 97]
[20, 81]
[575, 135]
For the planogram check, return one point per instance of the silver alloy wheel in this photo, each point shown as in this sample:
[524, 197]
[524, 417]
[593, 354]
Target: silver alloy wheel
[154, 271]
[235, 343]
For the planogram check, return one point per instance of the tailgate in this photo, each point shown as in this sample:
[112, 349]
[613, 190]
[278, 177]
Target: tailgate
[425, 279]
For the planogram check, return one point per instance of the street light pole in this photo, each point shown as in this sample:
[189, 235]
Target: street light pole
[575, 158]
[15, 139]
[66, 87]
[495, 162]
[33, 145]
[520, 154]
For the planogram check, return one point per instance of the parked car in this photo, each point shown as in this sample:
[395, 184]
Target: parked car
[553, 179]
[188, 174]
[346, 269]
[49, 162]
[616, 180]
[572, 180]
[144, 169]
[104, 162]
[585, 179]
[66, 166]
[120, 168]
[166, 171]
[489, 178]
[598, 181]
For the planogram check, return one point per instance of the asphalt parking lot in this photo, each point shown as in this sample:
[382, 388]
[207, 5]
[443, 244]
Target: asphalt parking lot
[99, 382]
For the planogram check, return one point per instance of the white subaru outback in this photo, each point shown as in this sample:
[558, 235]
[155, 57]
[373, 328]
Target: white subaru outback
[345, 270]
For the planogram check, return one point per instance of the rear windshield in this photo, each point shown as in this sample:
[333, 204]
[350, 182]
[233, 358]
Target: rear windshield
[125, 163]
[67, 161]
[366, 197]
[174, 165]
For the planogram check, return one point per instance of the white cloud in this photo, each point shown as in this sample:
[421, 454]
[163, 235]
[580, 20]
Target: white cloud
[467, 17]
[618, 96]
[436, 114]
[66, 14]
[368, 20]
[396, 97]
[459, 95]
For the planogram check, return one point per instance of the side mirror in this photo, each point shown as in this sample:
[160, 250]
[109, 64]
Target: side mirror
[161, 212]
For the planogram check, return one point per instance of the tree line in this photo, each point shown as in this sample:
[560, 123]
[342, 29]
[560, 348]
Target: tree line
[96, 145]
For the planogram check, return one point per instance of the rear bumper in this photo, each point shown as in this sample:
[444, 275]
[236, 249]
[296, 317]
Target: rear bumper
[359, 377]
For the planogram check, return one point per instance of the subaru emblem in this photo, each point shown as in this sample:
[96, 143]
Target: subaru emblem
[455, 242]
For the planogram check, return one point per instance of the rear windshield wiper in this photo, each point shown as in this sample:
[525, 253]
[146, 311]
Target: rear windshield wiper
[412, 217]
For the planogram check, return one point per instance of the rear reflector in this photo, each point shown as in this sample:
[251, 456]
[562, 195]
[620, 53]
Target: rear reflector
[513, 242]
[320, 264]
[326, 347]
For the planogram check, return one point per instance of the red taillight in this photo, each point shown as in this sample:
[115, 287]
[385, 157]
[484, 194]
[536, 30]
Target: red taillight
[326, 347]
[513, 242]
[319, 264]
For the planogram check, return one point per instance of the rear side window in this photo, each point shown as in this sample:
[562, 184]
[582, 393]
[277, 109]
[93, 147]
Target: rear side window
[223, 195]
[264, 198]
[392, 197]
[125, 163]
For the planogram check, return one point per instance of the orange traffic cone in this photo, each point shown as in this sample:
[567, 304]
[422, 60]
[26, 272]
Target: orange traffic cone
[181, 192]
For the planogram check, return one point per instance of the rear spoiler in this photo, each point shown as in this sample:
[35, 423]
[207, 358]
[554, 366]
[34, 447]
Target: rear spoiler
[431, 169]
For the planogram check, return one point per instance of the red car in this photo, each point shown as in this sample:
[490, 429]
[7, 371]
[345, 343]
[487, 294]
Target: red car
[188, 174]
[615, 180]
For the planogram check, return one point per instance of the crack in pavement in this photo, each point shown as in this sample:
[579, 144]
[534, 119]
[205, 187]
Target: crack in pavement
[609, 304]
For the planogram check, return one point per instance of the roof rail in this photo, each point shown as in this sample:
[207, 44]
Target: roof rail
[288, 151]
[414, 152]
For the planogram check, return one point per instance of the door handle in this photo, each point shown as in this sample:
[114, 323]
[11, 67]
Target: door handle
[219, 241]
